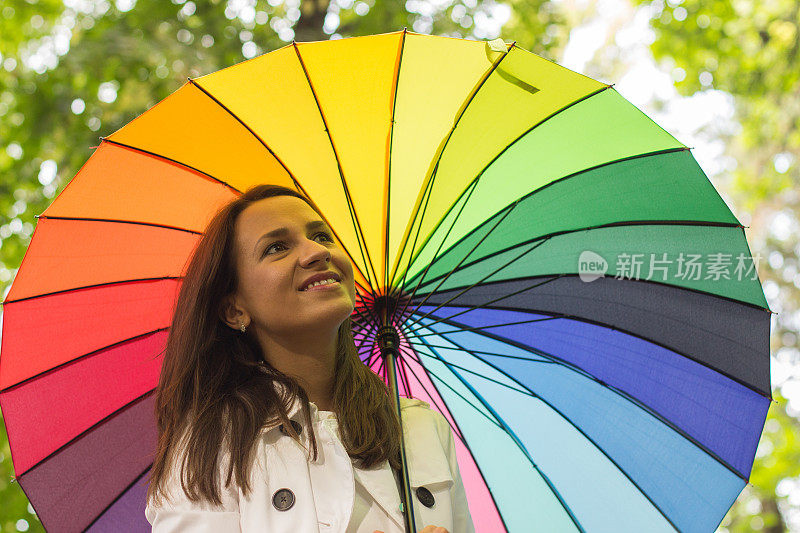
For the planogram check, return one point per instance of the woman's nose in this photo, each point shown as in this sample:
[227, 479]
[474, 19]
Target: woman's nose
[314, 251]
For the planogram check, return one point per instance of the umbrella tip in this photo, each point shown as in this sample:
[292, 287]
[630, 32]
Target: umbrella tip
[497, 45]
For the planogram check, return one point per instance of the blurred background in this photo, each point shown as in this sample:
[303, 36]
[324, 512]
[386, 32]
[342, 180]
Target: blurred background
[720, 75]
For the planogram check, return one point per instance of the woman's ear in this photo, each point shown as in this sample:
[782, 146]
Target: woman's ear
[231, 314]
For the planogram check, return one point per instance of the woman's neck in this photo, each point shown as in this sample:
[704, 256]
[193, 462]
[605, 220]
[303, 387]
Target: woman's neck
[311, 363]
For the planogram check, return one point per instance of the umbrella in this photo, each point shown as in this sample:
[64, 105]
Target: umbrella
[562, 281]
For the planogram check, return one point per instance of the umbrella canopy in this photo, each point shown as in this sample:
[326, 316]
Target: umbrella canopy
[569, 289]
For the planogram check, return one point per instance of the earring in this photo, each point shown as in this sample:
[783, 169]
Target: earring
[242, 326]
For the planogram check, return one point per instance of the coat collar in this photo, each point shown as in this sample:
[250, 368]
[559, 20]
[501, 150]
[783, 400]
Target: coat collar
[428, 462]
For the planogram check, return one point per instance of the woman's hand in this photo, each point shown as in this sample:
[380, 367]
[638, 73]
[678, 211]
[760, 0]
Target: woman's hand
[428, 529]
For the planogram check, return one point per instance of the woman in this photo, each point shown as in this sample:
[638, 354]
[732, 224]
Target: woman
[267, 418]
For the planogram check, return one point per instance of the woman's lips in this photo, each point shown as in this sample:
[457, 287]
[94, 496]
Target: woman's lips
[327, 287]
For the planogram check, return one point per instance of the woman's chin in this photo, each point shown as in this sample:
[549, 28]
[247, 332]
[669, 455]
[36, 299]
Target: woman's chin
[329, 321]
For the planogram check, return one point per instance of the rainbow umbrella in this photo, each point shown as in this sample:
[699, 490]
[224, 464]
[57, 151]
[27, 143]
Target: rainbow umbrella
[567, 287]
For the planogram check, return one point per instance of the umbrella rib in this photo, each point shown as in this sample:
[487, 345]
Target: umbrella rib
[96, 285]
[88, 430]
[264, 144]
[382, 371]
[364, 346]
[553, 360]
[137, 223]
[364, 329]
[457, 431]
[165, 158]
[577, 428]
[433, 260]
[107, 507]
[676, 287]
[465, 369]
[373, 356]
[429, 183]
[441, 408]
[365, 336]
[586, 228]
[419, 282]
[361, 309]
[365, 321]
[506, 429]
[79, 358]
[474, 181]
[154, 225]
[365, 355]
[388, 188]
[464, 290]
[569, 366]
[439, 306]
[495, 354]
[426, 194]
[118, 221]
[248, 128]
[370, 310]
[71, 289]
[562, 415]
[612, 327]
[424, 203]
[475, 407]
[483, 328]
[360, 348]
[603, 324]
[362, 244]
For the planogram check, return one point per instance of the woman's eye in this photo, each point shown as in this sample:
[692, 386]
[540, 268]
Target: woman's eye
[328, 238]
[271, 246]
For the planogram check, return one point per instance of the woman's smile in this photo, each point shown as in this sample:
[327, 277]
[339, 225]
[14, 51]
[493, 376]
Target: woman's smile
[330, 286]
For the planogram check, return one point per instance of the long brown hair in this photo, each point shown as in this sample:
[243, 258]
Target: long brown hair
[217, 390]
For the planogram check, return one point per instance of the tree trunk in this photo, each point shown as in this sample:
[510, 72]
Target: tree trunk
[312, 17]
[770, 507]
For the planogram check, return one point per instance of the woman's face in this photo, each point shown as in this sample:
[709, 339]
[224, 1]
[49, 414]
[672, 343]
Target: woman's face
[282, 242]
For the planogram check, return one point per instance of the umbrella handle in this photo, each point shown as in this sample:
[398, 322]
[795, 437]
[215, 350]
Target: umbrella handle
[388, 341]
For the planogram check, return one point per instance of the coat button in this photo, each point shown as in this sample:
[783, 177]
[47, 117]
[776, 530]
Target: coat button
[283, 499]
[295, 424]
[425, 497]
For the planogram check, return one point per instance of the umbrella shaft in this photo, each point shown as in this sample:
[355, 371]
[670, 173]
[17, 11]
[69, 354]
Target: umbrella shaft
[389, 353]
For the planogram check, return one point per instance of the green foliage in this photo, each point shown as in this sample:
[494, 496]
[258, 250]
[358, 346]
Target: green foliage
[748, 48]
[777, 459]
[23, 22]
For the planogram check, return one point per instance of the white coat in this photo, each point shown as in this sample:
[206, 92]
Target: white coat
[323, 490]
